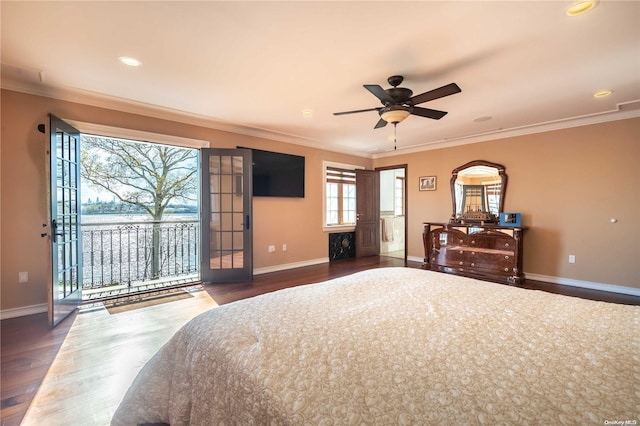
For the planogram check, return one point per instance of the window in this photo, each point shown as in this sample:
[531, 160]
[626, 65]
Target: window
[340, 196]
[493, 196]
[398, 195]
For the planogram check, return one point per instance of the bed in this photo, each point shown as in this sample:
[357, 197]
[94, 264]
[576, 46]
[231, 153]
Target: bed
[396, 346]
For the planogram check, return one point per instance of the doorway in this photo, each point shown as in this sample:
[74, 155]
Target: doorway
[140, 216]
[393, 208]
[142, 193]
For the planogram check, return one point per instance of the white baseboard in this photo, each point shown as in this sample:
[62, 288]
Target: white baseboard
[293, 265]
[38, 309]
[584, 284]
[23, 311]
[570, 282]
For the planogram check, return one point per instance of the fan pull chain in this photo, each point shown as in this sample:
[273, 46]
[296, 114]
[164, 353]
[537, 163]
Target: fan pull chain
[395, 136]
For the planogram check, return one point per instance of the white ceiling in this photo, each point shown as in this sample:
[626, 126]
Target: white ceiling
[253, 67]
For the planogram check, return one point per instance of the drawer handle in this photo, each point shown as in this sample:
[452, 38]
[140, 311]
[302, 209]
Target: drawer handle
[506, 257]
[473, 264]
[473, 253]
[460, 241]
[506, 244]
[460, 263]
[460, 251]
[473, 241]
[506, 269]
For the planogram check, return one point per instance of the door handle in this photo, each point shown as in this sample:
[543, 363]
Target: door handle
[55, 234]
[247, 222]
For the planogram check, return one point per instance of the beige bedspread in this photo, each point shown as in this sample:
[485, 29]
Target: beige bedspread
[396, 346]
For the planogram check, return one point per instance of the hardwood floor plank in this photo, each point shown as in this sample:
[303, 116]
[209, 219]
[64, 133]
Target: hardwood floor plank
[101, 356]
[28, 348]
[78, 372]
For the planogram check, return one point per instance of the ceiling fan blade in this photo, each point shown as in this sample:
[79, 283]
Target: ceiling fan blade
[356, 111]
[380, 123]
[379, 93]
[440, 92]
[429, 113]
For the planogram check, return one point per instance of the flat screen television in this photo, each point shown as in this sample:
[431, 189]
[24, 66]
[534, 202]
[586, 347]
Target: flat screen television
[277, 175]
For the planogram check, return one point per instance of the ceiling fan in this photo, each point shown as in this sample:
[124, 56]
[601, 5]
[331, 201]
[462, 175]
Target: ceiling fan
[399, 103]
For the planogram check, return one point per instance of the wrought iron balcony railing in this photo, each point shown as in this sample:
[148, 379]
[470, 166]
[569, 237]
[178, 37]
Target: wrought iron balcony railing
[125, 253]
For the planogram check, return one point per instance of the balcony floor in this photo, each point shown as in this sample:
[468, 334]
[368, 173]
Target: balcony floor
[102, 294]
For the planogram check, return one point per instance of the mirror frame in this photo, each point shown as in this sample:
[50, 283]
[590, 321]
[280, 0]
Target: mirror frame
[501, 173]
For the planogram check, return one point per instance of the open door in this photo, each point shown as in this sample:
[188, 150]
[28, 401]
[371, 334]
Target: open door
[226, 213]
[367, 213]
[65, 292]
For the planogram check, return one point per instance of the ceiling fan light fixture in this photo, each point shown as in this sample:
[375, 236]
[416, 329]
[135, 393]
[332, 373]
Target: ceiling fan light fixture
[394, 115]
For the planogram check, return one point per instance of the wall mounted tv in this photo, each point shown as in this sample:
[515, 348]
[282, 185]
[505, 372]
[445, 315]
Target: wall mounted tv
[277, 175]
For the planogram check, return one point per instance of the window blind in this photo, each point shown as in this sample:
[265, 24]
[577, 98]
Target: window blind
[336, 175]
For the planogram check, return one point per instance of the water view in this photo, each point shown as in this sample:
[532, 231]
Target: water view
[87, 219]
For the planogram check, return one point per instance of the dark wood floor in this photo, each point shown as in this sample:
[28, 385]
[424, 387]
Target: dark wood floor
[225, 293]
[29, 346]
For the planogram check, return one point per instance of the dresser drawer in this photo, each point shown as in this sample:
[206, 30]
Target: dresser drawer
[489, 262]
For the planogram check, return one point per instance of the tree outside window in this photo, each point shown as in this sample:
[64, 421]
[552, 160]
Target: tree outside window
[147, 177]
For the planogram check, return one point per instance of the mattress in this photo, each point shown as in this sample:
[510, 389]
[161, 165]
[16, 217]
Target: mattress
[396, 346]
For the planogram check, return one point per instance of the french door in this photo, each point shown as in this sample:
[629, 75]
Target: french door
[65, 292]
[226, 213]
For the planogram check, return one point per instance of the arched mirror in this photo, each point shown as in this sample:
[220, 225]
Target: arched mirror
[477, 192]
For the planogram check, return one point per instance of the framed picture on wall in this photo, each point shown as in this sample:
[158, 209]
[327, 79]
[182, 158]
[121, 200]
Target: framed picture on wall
[427, 183]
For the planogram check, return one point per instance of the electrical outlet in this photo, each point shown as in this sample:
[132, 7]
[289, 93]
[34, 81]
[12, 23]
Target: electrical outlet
[23, 277]
[572, 258]
[272, 249]
[284, 247]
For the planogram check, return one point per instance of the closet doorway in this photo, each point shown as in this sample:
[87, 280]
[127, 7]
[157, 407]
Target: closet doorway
[393, 211]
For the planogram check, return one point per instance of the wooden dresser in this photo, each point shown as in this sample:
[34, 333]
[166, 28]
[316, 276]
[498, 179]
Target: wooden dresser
[488, 252]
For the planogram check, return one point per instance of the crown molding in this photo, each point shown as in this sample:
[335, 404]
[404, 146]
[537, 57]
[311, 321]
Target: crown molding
[99, 100]
[621, 112]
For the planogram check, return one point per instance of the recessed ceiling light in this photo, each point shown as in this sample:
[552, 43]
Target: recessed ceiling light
[602, 93]
[580, 7]
[132, 62]
[307, 113]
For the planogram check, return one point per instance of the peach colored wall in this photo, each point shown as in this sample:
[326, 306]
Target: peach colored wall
[567, 184]
[295, 222]
[550, 177]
